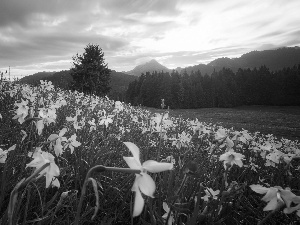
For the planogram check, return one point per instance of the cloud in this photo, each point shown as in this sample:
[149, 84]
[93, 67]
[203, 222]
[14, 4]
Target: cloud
[44, 35]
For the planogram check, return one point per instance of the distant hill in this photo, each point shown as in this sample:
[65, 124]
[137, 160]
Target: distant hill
[273, 59]
[35, 78]
[119, 81]
[150, 66]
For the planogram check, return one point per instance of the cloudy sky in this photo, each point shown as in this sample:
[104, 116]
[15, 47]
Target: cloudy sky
[37, 35]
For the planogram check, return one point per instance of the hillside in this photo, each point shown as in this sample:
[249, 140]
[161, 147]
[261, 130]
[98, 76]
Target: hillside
[33, 79]
[119, 81]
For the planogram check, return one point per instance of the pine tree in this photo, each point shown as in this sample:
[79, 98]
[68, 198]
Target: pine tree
[90, 73]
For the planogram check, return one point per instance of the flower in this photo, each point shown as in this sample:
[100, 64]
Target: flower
[223, 139]
[45, 119]
[105, 120]
[161, 122]
[210, 193]
[182, 141]
[274, 195]
[231, 158]
[22, 111]
[71, 143]
[143, 182]
[171, 219]
[40, 158]
[58, 148]
[118, 106]
[3, 154]
[76, 124]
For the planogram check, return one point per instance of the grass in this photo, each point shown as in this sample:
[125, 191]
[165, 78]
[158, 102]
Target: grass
[282, 121]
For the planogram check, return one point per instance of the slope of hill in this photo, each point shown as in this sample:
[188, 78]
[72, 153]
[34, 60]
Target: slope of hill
[150, 66]
[35, 78]
[119, 81]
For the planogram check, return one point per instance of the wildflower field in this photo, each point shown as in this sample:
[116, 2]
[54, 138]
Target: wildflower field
[69, 158]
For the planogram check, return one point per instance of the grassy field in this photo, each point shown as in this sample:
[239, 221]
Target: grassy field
[282, 121]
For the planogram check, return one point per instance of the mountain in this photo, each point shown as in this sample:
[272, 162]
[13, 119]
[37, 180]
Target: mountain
[150, 66]
[273, 59]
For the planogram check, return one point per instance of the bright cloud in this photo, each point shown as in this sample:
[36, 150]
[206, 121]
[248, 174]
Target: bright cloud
[44, 35]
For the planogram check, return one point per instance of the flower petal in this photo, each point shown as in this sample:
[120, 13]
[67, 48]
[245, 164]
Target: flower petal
[271, 205]
[166, 207]
[287, 196]
[135, 186]
[224, 156]
[138, 204]
[134, 150]
[259, 189]
[156, 167]
[132, 163]
[56, 183]
[238, 162]
[271, 194]
[62, 132]
[146, 184]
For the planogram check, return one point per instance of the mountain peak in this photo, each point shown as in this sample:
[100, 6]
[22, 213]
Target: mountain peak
[149, 66]
[153, 61]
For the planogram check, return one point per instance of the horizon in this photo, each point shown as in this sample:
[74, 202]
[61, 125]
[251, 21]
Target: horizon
[43, 36]
[142, 63]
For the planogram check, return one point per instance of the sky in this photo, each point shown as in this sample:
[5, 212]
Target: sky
[37, 35]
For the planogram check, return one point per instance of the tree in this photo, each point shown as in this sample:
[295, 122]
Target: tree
[90, 74]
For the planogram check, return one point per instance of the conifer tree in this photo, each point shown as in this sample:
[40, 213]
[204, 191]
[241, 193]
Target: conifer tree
[90, 73]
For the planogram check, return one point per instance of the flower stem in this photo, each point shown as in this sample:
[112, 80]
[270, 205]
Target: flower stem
[100, 169]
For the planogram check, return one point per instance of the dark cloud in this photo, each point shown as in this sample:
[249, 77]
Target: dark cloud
[20, 12]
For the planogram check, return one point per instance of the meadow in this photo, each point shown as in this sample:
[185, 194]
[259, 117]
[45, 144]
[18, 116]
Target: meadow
[281, 121]
[69, 158]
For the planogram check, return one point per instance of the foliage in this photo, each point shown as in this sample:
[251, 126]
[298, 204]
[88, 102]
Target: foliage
[221, 89]
[90, 73]
[219, 176]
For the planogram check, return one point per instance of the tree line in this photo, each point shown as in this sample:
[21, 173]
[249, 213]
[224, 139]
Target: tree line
[225, 88]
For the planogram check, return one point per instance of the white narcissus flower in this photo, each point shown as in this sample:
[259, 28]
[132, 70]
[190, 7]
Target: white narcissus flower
[232, 158]
[22, 111]
[56, 141]
[71, 143]
[118, 106]
[143, 182]
[3, 153]
[221, 135]
[106, 120]
[210, 193]
[45, 119]
[40, 158]
[275, 195]
[161, 122]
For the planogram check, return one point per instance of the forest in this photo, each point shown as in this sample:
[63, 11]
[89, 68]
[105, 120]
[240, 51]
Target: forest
[224, 88]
